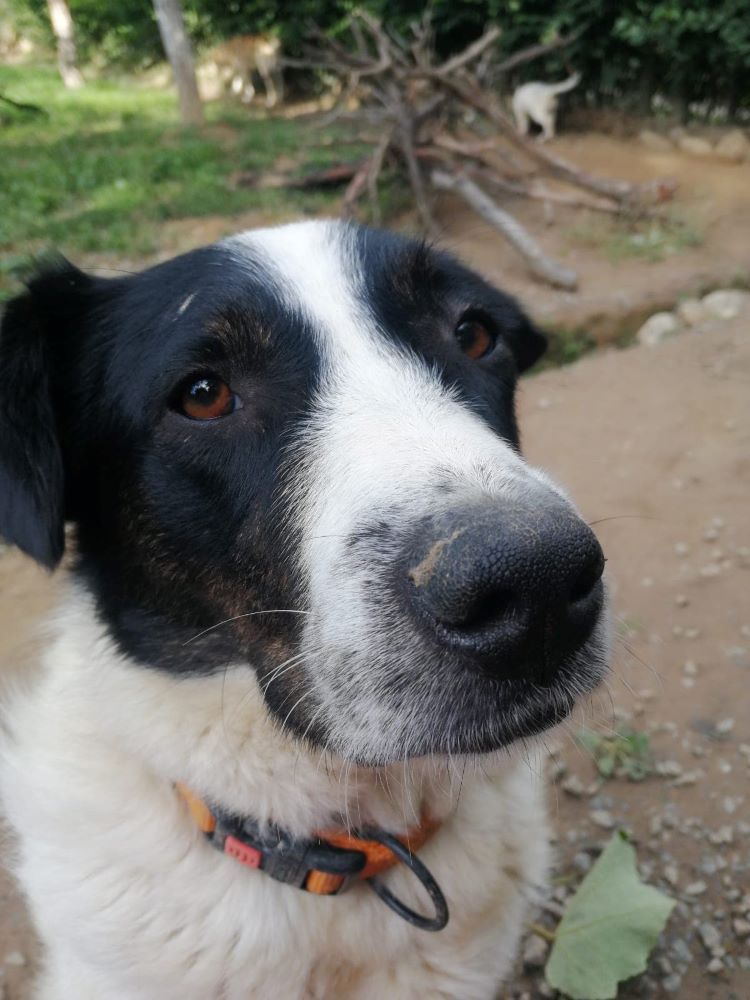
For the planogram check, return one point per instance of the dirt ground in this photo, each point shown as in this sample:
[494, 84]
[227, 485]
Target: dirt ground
[654, 444]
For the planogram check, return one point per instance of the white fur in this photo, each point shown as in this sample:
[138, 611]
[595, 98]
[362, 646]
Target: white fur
[537, 102]
[133, 904]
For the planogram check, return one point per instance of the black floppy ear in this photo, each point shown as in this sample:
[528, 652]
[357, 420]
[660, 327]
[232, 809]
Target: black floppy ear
[32, 490]
[527, 343]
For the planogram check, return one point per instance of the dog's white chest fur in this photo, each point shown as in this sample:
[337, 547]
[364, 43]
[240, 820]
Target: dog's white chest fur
[136, 904]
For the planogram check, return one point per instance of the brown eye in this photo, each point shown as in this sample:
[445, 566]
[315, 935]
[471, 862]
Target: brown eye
[205, 398]
[474, 339]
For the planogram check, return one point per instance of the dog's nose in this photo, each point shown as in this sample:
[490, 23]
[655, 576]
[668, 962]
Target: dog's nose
[516, 587]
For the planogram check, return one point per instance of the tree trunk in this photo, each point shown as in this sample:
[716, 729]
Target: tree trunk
[62, 28]
[180, 54]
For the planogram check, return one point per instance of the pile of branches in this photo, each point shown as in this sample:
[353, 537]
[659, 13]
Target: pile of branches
[440, 124]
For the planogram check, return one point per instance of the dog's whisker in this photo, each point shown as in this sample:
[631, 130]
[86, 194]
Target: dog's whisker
[283, 668]
[622, 517]
[247, 614]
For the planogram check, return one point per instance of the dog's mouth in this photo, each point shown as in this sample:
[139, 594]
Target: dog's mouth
[379, 710]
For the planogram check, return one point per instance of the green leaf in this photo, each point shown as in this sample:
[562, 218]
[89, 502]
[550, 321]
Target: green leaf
[609, 928]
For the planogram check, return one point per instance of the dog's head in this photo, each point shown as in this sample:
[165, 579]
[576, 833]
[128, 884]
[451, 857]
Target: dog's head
[307, 434]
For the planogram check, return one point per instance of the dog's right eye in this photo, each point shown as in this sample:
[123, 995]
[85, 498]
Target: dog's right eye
[205, 397]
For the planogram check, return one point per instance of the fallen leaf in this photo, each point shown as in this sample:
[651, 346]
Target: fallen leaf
[608, 929]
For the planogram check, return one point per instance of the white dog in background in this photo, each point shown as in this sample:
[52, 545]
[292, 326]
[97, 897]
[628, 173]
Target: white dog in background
[537, 102]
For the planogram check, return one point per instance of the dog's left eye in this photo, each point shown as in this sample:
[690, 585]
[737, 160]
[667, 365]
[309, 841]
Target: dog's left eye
[205, 397]
[474, 338]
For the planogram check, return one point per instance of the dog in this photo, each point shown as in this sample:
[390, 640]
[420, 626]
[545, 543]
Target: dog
[238, 59]
[537, 102]
[318, 608]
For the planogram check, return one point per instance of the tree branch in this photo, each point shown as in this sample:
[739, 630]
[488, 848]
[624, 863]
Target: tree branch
[539, 263]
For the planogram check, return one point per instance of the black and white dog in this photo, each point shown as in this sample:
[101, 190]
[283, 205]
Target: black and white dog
[316, 585]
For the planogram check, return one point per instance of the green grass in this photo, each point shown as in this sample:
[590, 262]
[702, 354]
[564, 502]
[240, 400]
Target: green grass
[624, 753]
[645, 239]
[110, 163]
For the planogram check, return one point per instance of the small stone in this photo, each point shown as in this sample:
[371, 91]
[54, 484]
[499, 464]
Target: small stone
[727, 303]
[710, 569]
[535, 952]
[672, 983]
[681, 549]
[682, 601]
[681, 951]
[557, 771]
[741, 928]
[689, 777]
[724, 835]
[710, 937]
[657, 329]
[724, 726]
[574, 786]
[671, 874]
[602, 818]
[692, 312]
[582, 862]
[668, 769]
[738, 655]
[14, 958]
[695, 146]
[654, 141]
[714, 966]
[690, 667]
[733, 146]
[692, 633]
[696, 888]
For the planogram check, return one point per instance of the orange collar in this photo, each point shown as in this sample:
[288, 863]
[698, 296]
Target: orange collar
[326, 864]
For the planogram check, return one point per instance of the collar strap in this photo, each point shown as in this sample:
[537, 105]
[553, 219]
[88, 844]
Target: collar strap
[325, 864]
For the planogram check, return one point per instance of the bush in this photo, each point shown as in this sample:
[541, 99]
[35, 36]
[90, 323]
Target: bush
[689, 50]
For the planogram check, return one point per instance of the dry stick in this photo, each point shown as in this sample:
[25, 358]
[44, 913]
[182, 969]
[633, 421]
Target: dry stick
[541, 265]
[619, 190]
[534, 51]
[376, 166]
[481, 150]
[473, 51]
[539, 192]
[355, 188]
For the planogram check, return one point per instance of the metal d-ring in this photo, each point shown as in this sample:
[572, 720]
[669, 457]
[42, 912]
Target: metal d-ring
[436, 923]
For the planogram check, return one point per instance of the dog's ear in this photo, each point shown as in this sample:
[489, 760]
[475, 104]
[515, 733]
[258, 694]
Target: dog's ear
[32, 488]
[527, 343]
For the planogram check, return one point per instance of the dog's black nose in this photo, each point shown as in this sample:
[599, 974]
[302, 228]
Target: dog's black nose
[517, 588]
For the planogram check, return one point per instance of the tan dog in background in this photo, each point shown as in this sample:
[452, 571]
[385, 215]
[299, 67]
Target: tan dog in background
[237, 59]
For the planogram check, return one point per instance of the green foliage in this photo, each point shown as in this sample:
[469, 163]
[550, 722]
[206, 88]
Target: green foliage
[644, 239]
[690, 50]
[609, 927]
[564, 346]
[110, 163]
[625, 752]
